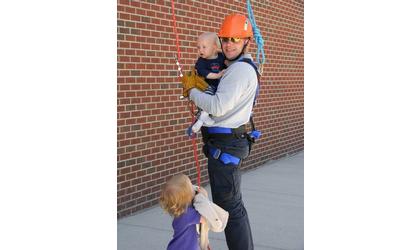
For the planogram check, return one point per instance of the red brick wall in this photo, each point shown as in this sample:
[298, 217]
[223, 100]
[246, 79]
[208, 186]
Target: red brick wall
[152, 144]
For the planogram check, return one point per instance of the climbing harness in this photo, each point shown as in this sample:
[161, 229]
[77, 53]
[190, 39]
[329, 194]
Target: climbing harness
[232, 133]
[254, 134]
[224, 134]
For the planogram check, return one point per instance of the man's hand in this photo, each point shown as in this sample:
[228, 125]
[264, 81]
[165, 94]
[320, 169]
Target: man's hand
[192, 80]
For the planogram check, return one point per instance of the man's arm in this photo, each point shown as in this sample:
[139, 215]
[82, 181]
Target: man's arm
[229, 91]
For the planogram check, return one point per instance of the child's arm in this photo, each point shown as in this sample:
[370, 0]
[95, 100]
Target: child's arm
[203, 191]
[200, 190]
[202, 219]
[215, 75]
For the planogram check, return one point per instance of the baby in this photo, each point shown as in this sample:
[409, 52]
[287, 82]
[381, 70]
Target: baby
[211, 66]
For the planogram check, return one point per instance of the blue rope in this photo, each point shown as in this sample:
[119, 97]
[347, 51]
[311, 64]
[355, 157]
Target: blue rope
[257, 34]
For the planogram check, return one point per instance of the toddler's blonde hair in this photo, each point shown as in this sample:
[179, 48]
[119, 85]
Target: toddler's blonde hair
[176, 195]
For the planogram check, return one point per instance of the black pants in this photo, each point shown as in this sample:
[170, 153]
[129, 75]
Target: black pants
[225, 182]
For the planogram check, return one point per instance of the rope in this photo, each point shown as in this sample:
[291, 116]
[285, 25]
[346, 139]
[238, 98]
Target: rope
[176, 33]
[194, 143]
[257, 36]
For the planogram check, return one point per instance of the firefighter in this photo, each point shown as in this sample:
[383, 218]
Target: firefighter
[226, 142]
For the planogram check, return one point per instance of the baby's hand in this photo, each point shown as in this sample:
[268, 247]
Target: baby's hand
[221, 73]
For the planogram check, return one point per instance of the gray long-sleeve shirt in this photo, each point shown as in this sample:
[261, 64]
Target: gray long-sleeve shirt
[232, 103]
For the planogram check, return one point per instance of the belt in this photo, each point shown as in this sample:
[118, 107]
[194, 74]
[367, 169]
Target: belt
[223, 157]
[222, 130]
[219, 130]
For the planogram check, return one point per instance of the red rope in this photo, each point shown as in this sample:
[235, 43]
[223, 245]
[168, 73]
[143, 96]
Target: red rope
[194, 143]
[176, 33]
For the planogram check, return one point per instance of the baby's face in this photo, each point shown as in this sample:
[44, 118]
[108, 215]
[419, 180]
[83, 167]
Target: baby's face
[207, 49]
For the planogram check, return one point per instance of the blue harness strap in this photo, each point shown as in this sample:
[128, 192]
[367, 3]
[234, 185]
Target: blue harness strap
[223, 157]
[254, 134]
[219, 130]
[250, 62]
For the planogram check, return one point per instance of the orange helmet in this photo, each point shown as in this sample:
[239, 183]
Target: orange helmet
[236, 25]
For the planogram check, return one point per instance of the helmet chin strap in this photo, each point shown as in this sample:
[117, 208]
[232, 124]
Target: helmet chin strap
[240, 54]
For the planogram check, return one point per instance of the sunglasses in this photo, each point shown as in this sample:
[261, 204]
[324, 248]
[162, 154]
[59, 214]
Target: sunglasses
[232, 39]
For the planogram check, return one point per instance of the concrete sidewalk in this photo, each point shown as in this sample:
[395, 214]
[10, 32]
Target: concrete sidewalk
[273, 197]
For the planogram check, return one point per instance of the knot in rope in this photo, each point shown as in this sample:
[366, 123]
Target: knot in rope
[257, 34]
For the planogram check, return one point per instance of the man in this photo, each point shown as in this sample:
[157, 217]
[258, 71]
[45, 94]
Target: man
[226, 141]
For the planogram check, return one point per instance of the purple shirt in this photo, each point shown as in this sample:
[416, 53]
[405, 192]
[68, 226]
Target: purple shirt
[185, 233]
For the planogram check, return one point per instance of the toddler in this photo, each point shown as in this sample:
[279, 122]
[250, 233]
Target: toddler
[176, 199]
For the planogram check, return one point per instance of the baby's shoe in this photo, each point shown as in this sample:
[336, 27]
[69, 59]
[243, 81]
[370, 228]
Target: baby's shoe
[197, 125]
[205, 117]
